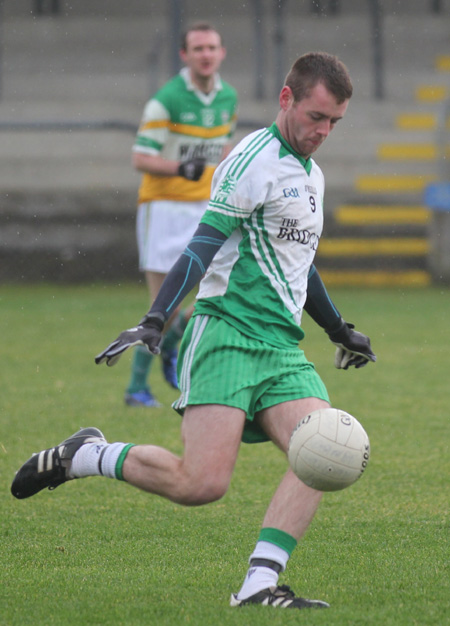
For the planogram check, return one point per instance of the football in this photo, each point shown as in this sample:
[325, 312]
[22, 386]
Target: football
[329, 450]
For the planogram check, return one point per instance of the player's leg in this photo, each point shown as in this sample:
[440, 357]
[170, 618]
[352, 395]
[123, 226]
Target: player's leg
[211, 436]
[138, 392]
[287, 518]
[294, 504]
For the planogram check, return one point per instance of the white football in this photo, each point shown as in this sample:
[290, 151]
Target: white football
[329, 450]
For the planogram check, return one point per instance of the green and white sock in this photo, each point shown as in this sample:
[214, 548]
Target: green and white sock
[268, 559]
[104, 459]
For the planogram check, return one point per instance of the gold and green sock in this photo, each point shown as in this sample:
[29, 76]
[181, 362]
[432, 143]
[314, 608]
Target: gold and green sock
[175, 332]
[140, 369]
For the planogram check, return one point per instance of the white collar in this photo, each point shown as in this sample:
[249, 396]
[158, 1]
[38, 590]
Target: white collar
[206, 98]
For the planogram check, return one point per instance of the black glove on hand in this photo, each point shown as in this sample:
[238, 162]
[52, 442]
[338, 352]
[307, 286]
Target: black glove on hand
[353, 348]
[192, 169]
[147, 333]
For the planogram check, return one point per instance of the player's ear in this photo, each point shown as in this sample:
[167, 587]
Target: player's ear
[286, 98]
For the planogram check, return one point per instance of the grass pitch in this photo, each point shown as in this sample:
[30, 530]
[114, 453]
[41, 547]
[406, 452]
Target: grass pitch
[97, 551]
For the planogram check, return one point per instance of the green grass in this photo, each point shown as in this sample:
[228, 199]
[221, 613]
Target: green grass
[100, 552]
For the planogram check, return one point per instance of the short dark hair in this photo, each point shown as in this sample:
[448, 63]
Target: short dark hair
[319, 67]
[204, 26]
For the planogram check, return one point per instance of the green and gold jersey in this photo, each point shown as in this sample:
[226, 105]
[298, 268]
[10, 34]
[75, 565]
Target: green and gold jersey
[269, 201]
[181, 122]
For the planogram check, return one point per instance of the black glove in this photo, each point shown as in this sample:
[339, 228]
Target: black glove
[353, 348]
[147, 333]
[192, 169]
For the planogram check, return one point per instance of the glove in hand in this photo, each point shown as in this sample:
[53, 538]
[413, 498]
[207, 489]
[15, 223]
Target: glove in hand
[192, 169]
[352, 347]
[148, 334]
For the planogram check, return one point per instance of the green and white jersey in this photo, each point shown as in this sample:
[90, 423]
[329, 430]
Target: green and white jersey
[268, 200]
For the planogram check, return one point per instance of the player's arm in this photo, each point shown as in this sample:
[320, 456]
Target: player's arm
[191, 169]
[154, 164]
[352, 347]
[183, 277]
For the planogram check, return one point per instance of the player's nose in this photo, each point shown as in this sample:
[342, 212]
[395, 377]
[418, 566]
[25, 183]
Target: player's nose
[324, 128]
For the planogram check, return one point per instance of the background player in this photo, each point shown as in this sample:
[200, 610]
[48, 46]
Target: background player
[184, 133]
[242, 374]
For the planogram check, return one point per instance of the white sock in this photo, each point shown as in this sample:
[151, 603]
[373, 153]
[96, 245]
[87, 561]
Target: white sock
[96, 459]
[267, 550]
[257, 579]
[260, 577]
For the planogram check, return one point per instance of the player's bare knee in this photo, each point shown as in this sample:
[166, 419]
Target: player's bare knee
[203, 491]
[212, 492]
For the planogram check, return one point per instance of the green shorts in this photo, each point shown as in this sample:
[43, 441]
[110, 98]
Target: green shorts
[219, 365]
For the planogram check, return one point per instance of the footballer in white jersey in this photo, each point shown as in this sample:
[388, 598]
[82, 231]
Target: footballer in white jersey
[242, 373]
